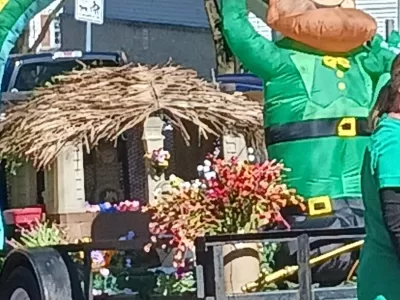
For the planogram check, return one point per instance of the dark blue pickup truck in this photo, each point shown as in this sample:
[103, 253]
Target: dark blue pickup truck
[24, 72]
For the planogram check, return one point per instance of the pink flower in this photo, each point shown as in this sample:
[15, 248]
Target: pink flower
[180, 272]
[134, 205]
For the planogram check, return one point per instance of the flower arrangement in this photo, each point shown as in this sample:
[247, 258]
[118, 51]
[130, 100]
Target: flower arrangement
[159, 161]
[107, 207]
[175, 283]
[229, 197]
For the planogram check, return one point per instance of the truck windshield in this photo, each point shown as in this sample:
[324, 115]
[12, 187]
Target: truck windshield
[31, 75]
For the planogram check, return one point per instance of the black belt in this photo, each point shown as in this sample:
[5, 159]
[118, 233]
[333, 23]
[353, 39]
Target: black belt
[344, 127]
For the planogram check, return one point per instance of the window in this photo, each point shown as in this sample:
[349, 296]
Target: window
[46, 43]
[37, 74]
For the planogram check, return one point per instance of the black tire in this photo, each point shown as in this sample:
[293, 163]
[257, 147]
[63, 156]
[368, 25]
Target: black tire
[24, 279]
[76, 276]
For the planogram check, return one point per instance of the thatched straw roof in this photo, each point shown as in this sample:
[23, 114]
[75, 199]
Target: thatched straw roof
[94, 104]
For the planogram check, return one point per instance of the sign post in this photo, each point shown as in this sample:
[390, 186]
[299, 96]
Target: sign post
[91, 12]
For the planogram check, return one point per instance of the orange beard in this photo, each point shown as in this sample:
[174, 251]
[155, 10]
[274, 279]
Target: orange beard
[336, 29]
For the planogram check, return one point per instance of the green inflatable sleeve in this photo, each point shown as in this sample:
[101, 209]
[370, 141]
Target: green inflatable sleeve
[382, 53]
[257, 54]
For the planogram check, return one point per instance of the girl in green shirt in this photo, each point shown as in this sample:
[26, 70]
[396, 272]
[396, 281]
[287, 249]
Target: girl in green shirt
[379, 270]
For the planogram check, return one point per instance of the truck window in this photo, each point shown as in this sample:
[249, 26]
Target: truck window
[37, 74]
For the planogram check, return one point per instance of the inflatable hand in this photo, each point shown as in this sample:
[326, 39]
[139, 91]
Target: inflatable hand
[379, 44]
[394, 39]
[379, 59]
[14, 17]
[257, 54]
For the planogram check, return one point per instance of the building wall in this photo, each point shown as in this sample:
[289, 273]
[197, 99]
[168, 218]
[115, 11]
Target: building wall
[145, 43]
[381, 10]
[176, 12]
[51, 41]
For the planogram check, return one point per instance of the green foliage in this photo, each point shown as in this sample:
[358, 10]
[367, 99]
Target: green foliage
[267, 262]
[267, 255]
[171, 284]
[12, 165]
[40, 234]
[143, 282]
[106, 284]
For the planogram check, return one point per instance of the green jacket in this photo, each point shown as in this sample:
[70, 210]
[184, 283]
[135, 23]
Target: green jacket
[316, 104]
[381, 169]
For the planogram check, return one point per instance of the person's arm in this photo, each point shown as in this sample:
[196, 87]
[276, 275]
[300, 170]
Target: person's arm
[259, 55]
[388, 173]
[390, 202]
[2, 233]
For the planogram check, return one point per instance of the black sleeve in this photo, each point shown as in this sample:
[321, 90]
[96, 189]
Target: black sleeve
[390, 201]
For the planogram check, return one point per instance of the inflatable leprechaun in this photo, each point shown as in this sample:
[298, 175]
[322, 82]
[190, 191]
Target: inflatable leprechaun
[320, 82]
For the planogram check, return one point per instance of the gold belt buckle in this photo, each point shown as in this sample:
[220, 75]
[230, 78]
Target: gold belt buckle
[318, 206]
[347, 127]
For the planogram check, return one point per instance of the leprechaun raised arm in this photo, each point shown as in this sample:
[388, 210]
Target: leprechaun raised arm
[256, 53]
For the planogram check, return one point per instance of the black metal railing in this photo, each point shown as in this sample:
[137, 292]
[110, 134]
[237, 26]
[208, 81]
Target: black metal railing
[210, 268]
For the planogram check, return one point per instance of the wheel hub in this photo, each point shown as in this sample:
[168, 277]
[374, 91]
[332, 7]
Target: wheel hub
[20, 294]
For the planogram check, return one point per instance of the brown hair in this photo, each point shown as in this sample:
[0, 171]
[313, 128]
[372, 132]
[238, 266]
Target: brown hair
[386, 101]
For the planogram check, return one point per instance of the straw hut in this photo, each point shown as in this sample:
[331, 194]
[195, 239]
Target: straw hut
[83, 137]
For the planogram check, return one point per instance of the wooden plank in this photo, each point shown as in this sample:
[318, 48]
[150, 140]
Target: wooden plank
[304, 273]
[220, 293]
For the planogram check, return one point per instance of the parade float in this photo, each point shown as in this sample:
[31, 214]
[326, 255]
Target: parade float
[90, 110]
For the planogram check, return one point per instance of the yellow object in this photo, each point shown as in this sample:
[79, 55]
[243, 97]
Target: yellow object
[339, 74]
[290, 270]
[337, 63]
[341, 86]
[176, 181]
[84, 240]
[319, 206]
[163, 164]
[347, 127]
[3, 3]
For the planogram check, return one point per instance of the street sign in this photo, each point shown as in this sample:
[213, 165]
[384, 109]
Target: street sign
[91, 11]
